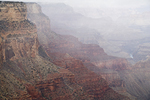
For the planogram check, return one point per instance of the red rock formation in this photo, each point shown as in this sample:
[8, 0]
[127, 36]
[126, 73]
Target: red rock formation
[57, 47]
[92, 56]
[85, 52]
[93, 84]
[24, 73]
[18, 35]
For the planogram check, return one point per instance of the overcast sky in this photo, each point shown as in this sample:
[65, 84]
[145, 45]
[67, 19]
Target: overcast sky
[97, 3]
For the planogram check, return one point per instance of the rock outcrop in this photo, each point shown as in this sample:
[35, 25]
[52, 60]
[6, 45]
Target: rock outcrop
[137, 80]
[69, 53]
[24, 73]
[18, 35]
[35, 15]
[93, 84]
[93, 58]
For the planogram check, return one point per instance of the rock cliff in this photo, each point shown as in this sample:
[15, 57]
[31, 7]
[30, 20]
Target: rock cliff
[18, 35]
[24, 73]
[137, 80]
[93, 84]
[35, 15]
[69, 53]
[92, 57]
[142, 52]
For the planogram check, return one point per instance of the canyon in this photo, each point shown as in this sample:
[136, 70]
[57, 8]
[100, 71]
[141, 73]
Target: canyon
[38, 64]
[30, 72]
[24, 73]
[59, 46]
[119, 31]
[122, 76]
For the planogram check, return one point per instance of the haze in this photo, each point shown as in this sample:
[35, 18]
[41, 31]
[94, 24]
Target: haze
[63, 49]
[96, 3]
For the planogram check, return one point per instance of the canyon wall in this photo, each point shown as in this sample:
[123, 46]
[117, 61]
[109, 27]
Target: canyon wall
[137, 80]
[24, 73]
[18, 35]
[67, 52]
[120, 75]
[143, 51]
[35, 15]
[38, 64]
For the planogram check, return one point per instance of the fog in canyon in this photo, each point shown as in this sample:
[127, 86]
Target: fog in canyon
[121, 28]
[64, 50]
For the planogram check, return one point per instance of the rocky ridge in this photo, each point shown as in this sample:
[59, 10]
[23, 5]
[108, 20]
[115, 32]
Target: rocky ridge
[137, 80]
[65, 51]
[24, 73]
[131, 79]
[90, 57]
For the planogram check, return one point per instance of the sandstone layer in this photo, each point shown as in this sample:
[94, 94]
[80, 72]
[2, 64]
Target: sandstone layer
[116, 71]
[24, 74]
[69, 53]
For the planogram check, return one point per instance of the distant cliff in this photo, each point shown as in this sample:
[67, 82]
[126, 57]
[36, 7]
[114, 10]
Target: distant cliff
[35, 15]
[137, 79]
[69, 53]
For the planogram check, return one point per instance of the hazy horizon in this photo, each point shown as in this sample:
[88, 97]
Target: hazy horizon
[63, 49]
[95, 3]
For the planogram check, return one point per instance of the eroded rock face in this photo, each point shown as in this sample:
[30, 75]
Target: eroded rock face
[35, 15]
[137, 80]
[143, 52]
[92, 84]
[93, 58]
[13, 11]
[37, 78]
[68, 52]
[18, 35]
[90, 56]
[85, 52]
[24, 73]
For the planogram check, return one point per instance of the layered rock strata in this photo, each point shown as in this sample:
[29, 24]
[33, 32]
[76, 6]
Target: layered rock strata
[24, 73]
[137, 80]
[64, 49]
[18, 35]
[115, 70]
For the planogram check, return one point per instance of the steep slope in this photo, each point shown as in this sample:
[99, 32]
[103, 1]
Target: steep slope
[112, 29]
[24, 73]
[93, 84]
[93, 58]
[137, 80]
[65, 52]
[142, 52]
[115, 70]
[88, 30]
[35, 15]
